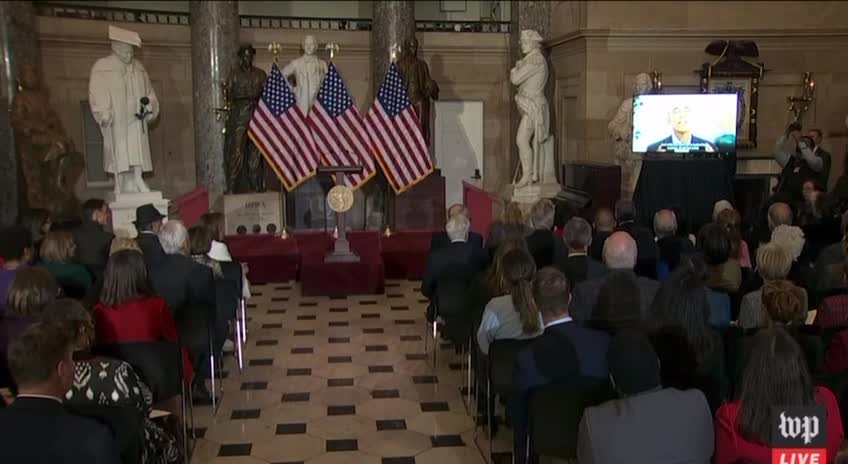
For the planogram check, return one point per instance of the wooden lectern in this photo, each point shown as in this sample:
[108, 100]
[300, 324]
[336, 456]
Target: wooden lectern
[341, 248]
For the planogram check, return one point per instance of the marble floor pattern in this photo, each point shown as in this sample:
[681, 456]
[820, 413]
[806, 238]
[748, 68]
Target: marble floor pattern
[340, 381]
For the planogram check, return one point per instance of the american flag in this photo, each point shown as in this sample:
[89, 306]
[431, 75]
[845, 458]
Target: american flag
[395, 133]
[280, 131]
[338, 131]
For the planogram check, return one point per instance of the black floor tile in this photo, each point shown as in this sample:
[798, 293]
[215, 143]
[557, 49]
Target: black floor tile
[410, 338]
[370, 316]
[338, 340]
[235, 449]
[380, 369]
[254, 386]
[423, 379]
[416, 357]
[245, 414]
[446, 440]
[384, 394]
[376, 348]
[303, 333]
[267, 342]
[280, 298]
[338, 310]
[394, 295]
[339, 359]
[295, 397]
[400, 308]
[338, 323]
[308, 303]
[404, 322]
[272, 326]
[261, 362]
[391, 424]
[399, 460]
[337, 297]
[283, 287]
[300, 371]
[307, 317]
[368, 302]
[456, 366]
[342, 445]
[276, 311]
[256, 294]
[291, 429]
[503, 457]
[392, 284]
[373, 330]
[435, 406]
[302, 350]
[250, 306]
[339, 382]
[347, 410]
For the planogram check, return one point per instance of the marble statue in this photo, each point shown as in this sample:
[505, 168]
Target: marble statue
[308, 72]
[245, 167]
[123, 103]
[48, 161]
[534, 141]
[420, 87]
[620, 130]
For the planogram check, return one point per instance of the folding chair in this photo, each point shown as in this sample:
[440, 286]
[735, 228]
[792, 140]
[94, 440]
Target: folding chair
[499, 376]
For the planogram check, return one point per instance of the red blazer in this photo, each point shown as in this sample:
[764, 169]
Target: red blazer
[144, 320]
[732, 447]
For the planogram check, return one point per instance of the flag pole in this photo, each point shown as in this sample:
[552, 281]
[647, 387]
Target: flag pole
[275, 48]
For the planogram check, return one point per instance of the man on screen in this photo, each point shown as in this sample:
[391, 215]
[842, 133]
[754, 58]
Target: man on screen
[681, 138]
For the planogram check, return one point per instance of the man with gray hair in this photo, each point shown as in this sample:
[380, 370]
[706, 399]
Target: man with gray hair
[174, 238]
[625, 214]
[669, 245]
[441, 239]
[546, 248]
[620, 255]
[578, 266]
[459, 261]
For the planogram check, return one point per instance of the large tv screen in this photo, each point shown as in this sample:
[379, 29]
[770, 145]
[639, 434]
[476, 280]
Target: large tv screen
[699, 123]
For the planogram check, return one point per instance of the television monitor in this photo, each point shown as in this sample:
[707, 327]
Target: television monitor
[681, 123]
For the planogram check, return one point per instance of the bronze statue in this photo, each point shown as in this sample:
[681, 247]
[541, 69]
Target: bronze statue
[420, 87]
[46, 153]
[243, 162]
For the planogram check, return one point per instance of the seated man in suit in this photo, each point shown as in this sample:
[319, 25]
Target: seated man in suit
[578, 267]
[604, 225]
[681, 138]
[441, 239]
[625, 214]
[545, 247]
[614, 432]
[619, 256]
[36, 428]
[565, 352]
[189, 289]
[92, 238]
[669, 245]
[148, 221]
[458, 262]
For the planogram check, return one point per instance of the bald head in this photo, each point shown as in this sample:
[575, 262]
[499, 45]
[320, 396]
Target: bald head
[779, 214]
[665, 223]
[620, 251]
[457, 208]
[604, 220]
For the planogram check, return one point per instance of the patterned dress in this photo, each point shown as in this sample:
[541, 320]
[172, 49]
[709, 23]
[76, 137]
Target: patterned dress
[107, 381]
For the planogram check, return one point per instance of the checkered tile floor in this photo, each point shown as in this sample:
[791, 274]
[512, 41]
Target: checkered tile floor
[340, 380]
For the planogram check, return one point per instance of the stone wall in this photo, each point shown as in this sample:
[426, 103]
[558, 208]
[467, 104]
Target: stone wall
[467, 66]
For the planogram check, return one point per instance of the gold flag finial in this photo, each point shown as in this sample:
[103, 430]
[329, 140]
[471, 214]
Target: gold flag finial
[333, 48]
[275, 48]
[394, 51]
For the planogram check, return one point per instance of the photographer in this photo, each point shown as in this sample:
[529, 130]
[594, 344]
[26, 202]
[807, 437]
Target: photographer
[799, 164]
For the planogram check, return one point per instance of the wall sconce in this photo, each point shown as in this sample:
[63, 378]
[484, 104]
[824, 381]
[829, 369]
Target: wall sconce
[656, 81]
[799, 105]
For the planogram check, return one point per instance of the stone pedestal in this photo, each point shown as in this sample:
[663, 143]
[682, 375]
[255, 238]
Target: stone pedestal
[548, 187]
[214, 45]
[123, 210]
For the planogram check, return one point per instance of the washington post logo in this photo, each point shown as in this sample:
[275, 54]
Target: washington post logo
[798, 435]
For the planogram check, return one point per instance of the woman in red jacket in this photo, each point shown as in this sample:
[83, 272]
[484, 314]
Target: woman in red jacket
[776, 375]
[128, 310]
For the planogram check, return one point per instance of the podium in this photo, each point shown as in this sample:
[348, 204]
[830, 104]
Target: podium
[341, 252]
[481, 206]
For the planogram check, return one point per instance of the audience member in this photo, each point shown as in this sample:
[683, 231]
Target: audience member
[646, 264]
[833, 311]
[604, 225]
[92, 237]
[791, 238]
[510, 225]
[669, 246]
[545, 247]
[720, 206]
[214, 221]
[109, 382]
[827, 272]
[773, 264]
[148, 221]
[37, 222]
[723, 271]
[681, 424]
[732, 222]
[200, 242]
[798, 163]
[123, 243]
[441, 239]
[578, 266]
[16, 251]
[816, 136]
[619, 256]
[57, 253]
[565, 352]
[779, 214]
[618, 306]
[782, 303]
[776, 375]
[513, 315]
[36, 427]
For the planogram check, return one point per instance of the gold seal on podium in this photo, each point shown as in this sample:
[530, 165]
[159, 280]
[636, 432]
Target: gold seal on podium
[340, 198]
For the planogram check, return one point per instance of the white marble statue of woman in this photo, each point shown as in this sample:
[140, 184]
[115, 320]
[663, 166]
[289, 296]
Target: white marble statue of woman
[308, 71]
[620, 130]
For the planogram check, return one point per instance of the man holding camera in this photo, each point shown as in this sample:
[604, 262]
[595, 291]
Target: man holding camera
[801, 159]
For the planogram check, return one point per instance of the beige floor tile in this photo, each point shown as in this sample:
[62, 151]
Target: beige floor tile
[394, 443]
[237, 460]
[293, 412]
[457, 455]
[339, 371]
[350, 457]
[333, 396]
[239, 431]
[440, 423]
[339, 427]
[396, 408]
[288, 448]
[297, 384]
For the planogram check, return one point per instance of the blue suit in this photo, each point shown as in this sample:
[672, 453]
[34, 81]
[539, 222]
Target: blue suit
[564, 352]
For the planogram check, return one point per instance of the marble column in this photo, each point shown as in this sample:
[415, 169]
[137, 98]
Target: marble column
[393, 22]
[18, 45]
[214, 45]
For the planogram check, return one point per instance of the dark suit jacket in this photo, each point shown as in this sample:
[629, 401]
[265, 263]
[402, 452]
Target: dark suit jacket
[92, 246]
[596, 250]
[182, 282]
[581, 267]
[563, 353]
[652, 148]
[585, 295]
[462, 260]
[546, 248]
[41, 431]
[671, 249]
[152, 250]
[681, 429]
[440, 240]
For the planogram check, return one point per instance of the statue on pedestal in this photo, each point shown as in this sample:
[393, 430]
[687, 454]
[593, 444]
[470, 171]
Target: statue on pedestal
[123, 103]
[308, 72]
[420, 87]
[49, 163]
[244, 164]
[534, 141]
[621, 132]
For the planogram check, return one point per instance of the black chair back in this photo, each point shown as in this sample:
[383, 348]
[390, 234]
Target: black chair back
[159, 364]
[125, 422]
[502, 355]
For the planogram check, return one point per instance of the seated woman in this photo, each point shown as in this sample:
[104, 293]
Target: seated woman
[129, 311]
[618, 305]
[100, 381]
[791, 238]
[773, 264]
[782, 304]
[510, 225]
[514, 315]
[732, 222]
[723, 271]
[775, 375]
[57, 254]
